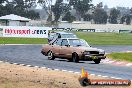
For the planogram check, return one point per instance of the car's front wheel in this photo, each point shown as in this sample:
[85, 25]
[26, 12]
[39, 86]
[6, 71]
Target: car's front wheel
[75, 57]
[97, 61]
[50, 55]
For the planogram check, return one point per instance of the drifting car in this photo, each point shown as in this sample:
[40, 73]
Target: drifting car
[73, 49]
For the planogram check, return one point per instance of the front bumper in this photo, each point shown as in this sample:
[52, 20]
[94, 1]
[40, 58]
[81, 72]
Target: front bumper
[43, 53]
[92, 57]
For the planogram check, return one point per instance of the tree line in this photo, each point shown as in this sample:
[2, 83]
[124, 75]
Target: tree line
[83, 7]
[57, 9]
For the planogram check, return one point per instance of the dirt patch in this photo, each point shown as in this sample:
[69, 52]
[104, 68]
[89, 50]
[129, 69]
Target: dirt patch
[16, 76]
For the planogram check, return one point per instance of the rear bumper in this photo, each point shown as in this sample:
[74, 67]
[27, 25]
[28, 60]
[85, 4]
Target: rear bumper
[91, 57]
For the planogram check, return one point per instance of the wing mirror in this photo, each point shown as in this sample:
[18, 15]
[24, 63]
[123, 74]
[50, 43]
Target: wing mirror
[67, 45]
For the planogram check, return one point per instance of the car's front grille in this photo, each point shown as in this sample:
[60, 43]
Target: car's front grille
[94, 52]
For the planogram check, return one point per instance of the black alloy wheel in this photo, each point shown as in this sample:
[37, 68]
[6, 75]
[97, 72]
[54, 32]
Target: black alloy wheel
[50, 56]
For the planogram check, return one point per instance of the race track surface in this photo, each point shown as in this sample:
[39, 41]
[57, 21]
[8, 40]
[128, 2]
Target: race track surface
[30, 55]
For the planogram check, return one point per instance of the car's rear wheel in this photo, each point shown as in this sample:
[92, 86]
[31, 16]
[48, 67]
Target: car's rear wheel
[50, 56]
[75, 57]
[97, 61]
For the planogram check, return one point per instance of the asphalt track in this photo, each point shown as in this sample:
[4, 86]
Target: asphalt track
[30, 55]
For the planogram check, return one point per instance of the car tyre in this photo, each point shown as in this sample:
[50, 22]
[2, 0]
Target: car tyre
[70, 60]
[50, 55]
[75, 58]
[97, 61]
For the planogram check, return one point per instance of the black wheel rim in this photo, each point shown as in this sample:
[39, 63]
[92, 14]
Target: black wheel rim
[74, 58]
[50, 55]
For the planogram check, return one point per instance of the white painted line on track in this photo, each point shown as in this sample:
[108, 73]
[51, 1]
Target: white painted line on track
[43, 67]
[36, 66]
[56, 69]
[92, 74]
[49, 68]
[105, 76]
[22, 64]
[110, 62]
[129, 51]
[67, 70]
[15, 63]
[64, 70]
[99, 75]
[118, 78]
[1, 61]
[28, 65]
[119, 62]
[77, 72]
[129, 64]
[70, 71]
[113, 77]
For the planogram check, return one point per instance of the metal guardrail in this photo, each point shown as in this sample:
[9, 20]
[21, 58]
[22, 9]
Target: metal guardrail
[125, 31]
[93, 30]
[73, 29]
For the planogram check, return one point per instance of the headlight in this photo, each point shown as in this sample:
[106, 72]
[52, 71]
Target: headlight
[86, 53]
[102, 52]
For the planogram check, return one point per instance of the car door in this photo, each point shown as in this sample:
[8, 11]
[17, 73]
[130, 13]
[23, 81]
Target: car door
[56, 47]
[65, 49]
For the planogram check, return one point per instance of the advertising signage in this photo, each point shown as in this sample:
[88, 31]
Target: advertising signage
[25, 31]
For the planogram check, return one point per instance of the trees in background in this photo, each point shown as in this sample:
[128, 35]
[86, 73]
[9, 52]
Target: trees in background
[88, 17]
[68, 17]
[54, 10]
[122, 20]
[81, 7]
[18, 7]
[100, 15]
[114, 14]
[47, 6]
[128, 19]
[60, 9]
[131, 11]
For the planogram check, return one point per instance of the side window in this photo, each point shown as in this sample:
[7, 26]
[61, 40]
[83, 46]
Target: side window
[57, 42]
[64, 42]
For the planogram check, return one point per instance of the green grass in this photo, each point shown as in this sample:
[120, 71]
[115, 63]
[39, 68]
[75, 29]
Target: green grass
[106, 38]
[91, 38]
[121, 56]
[12, 40]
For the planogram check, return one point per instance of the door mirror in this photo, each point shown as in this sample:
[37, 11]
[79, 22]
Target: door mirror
[67, 45]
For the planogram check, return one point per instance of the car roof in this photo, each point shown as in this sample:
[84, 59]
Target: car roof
[70, 38]
[63, 33]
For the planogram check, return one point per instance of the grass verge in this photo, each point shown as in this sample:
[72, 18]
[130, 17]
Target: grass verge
[121, 56]
[91, 38]
[106, 38]
[14, 40]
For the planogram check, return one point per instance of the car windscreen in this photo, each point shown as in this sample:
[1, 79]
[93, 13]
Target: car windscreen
[78, 42]
[51, 35]
[68, 36]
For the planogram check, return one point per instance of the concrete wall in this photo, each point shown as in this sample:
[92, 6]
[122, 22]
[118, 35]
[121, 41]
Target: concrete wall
[95, 26]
